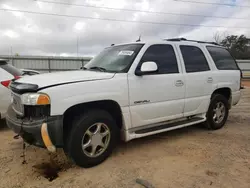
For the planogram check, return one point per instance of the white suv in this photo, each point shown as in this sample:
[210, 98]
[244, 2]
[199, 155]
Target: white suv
[128, 91]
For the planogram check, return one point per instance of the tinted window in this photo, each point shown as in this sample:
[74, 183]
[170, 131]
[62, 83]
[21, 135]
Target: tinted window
[222, 58]
[10, 69]
[194, 59]
[164, 56]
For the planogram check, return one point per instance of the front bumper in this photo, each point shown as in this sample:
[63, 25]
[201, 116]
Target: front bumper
[30, 130]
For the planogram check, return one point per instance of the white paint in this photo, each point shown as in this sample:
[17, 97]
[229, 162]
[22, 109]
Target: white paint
[43, 80]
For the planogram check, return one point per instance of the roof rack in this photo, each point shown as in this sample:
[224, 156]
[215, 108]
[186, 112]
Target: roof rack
[183, 39]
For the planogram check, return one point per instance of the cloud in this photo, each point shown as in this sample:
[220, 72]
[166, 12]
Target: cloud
[31, 34]
[10, 34]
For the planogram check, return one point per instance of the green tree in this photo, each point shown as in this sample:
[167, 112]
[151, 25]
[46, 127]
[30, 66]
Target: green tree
[237, 45]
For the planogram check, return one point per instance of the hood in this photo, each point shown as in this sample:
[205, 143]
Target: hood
[59, 78]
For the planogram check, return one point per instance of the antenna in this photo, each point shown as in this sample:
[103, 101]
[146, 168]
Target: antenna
[139, 39]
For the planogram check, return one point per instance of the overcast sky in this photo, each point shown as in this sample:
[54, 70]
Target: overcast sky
[30, 34]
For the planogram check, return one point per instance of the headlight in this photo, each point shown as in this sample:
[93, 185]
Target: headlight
[35, 99]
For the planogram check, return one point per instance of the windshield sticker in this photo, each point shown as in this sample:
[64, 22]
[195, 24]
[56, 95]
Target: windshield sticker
[127, 52]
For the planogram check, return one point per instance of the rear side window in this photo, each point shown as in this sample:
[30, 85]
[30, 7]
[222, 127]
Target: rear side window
[164, 56]
[222, 58]
[194, 59]
[10, 69]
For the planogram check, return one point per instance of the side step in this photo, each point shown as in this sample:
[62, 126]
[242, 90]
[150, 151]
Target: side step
[170, 126]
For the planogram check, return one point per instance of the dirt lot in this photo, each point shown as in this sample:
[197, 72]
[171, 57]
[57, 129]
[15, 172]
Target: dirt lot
[246, 83]
[190, 157]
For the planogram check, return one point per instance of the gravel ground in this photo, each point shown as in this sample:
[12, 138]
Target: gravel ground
[246, 83]
[190, 157]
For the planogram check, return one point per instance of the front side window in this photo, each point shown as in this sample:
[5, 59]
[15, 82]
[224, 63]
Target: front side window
[115, 58]
[164, 56]
[222, 58]
[194, 59]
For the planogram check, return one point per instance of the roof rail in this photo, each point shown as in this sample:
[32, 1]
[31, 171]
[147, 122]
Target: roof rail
[183, 39]
[175, 39]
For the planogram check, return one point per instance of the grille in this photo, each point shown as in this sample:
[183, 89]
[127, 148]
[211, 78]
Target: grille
[36, 111]
[17, 104]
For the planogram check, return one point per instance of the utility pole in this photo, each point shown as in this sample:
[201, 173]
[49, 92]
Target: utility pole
[77, 46]
[11, 56]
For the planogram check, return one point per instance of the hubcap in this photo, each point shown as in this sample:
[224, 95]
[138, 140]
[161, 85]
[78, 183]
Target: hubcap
[96, 139]
[219, 112]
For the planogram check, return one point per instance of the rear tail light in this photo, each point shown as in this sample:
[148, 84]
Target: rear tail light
[6, 83]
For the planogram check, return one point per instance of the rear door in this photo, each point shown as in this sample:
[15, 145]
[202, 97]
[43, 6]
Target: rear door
[198, 77]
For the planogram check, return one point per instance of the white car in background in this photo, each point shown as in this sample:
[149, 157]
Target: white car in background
[7, 74]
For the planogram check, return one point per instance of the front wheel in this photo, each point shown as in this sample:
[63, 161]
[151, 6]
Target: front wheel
[217, 113]
[92, 138]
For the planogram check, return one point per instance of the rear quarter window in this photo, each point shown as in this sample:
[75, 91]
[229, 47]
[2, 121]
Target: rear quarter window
[222, 58]
[10, 69]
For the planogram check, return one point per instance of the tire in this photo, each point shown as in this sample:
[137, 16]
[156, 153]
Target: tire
[213, 122]
[84, 126]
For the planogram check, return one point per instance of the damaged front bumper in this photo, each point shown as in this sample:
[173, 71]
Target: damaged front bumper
[42, 132]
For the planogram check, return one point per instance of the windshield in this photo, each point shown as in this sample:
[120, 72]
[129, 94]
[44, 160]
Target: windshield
[115, 59]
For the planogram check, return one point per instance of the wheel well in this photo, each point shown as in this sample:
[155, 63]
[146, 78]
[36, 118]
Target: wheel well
[108, 105]
[226, 92]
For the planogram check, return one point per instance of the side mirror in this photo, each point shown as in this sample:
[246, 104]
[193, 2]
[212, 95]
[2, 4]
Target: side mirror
[147, 68]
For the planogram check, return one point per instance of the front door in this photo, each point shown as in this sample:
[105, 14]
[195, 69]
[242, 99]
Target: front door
[157, 97]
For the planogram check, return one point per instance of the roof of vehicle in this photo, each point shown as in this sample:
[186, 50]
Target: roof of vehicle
[173, 40]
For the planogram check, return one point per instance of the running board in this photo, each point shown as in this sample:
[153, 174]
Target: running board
[170, 126]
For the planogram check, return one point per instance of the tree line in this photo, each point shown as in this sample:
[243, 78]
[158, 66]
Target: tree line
[238, 45]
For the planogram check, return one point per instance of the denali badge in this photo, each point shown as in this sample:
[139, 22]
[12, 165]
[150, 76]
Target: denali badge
[142, 102]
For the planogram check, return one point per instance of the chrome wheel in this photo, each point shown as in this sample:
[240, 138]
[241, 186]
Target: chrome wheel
[219, 112]
[96, 139]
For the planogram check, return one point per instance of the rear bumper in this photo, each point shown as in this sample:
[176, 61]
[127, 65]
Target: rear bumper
[235, 97]
[30, 130]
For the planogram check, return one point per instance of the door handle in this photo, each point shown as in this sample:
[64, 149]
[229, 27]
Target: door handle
[179, 83]
[209, 80]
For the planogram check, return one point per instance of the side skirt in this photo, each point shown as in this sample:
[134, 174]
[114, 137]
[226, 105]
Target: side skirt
[161, 127]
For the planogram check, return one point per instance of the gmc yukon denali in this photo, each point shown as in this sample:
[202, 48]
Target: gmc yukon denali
[126, 92]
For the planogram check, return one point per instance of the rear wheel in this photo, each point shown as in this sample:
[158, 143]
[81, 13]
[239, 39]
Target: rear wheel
[217, 113]
[92, 138]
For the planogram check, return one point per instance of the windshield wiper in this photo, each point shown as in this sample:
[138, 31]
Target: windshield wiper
[83, 68]
[98, 68]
